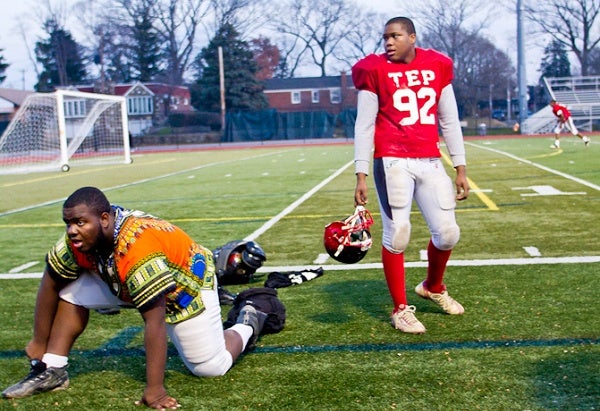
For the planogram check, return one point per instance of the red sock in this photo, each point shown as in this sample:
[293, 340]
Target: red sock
[393, 268]
[436, 267]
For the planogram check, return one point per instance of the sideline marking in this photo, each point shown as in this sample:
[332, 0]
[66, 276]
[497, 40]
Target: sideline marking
[22, 267]
[532, 251]
[475, 188]
[453, 263]
[321, 258]
[481, 194]
[552, 154]
[546, 190]
[531, 163]
[370, 266]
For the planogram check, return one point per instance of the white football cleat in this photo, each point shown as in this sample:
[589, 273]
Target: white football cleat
[405, 321]
[447, 303]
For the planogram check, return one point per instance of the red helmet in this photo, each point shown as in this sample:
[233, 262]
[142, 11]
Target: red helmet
[349, 240]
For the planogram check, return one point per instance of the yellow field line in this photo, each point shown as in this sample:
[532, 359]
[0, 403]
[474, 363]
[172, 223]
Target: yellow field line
[556, 152]
[231, 219]
[482, 196]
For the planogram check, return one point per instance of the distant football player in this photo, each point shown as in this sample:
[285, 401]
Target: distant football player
[404, 95]
[111, 257]
[564, 120]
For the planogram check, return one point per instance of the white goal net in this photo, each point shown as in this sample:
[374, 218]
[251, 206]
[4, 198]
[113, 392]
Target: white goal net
[56, 131]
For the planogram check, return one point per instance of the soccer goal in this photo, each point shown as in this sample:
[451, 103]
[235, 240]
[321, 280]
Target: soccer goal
[55, 131]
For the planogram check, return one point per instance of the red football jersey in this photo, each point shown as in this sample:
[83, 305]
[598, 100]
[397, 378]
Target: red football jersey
[408, 94]
[557, 109]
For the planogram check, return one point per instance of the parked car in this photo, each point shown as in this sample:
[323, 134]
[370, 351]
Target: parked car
[499, 115]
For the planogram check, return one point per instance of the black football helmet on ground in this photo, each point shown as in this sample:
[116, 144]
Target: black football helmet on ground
[237, 261]
[348, 241]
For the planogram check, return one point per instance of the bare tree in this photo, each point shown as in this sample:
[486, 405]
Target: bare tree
[446, 23]
[44, 11]
[315, 30]
[178, 22]
[95, 19]
[573, 23]
[486, 73]
[362, 38]
[247, 16]
[481, 71]
[292, 51]
[23, 25]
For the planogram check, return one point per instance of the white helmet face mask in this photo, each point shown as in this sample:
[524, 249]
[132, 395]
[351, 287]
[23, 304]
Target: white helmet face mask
[349, 240]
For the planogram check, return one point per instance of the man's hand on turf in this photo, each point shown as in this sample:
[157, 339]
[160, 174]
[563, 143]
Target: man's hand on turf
[166, 402]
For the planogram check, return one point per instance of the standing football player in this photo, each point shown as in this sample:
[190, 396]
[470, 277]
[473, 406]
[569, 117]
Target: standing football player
[403, 95]
[564, 121]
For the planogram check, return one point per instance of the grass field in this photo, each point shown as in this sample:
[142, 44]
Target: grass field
[526, 270]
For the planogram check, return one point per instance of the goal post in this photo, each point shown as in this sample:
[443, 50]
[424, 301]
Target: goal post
[55, 131]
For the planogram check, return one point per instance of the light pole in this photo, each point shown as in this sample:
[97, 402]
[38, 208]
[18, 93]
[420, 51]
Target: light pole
[490, 105]
[521, 73]
[222, 87]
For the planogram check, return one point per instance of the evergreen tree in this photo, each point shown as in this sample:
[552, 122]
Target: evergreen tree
[242, 89]
[555, 62]
[594, 59]
[145, 47]
[3, 67]
[61, 58]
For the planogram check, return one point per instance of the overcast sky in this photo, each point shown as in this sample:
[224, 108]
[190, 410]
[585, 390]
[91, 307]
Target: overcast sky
[21, 75]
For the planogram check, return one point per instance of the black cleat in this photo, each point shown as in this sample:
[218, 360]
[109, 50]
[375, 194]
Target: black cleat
[40, 379]
[254, 318]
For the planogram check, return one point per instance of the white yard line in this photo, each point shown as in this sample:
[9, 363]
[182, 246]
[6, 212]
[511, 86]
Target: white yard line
[145, 180]
[369, 266]
[366, 266]
[531, 163]
[296, 203]
[251, 237]
[455, 263]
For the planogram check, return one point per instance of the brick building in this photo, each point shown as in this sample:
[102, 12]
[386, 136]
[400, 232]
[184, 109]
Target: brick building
[332, 94]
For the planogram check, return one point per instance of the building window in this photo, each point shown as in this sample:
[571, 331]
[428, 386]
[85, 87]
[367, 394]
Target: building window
[295, 97]
[315, 96]
[74, 108]
[140, 105]
[335, 95]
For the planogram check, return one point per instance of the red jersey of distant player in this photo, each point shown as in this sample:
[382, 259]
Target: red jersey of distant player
[559, 109]
[408, 94]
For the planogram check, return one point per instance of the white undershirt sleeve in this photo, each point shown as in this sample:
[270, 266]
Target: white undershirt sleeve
[450, 126]
[364, 130]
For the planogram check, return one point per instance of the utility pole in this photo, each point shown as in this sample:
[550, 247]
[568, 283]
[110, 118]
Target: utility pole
[490, 105]
[521, 72]
[222, 87]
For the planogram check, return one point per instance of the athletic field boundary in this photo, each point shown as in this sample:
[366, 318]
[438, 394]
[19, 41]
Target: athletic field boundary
[371, 266]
